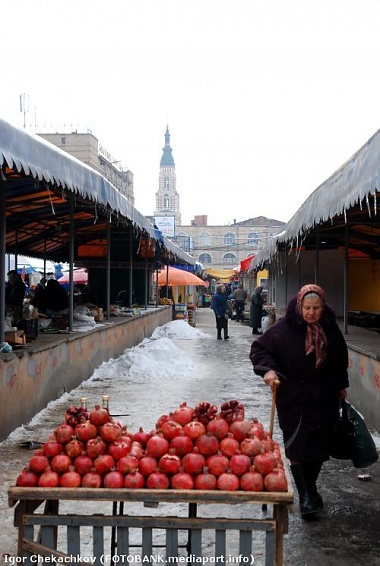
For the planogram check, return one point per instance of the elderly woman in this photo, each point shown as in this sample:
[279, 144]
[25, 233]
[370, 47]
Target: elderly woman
[306, 351]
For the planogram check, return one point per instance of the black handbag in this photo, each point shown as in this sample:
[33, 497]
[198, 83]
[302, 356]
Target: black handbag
[342, 440]
[365, 452]
[350, 438]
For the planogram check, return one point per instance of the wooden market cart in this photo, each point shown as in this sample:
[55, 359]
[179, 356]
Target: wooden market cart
[198, 526]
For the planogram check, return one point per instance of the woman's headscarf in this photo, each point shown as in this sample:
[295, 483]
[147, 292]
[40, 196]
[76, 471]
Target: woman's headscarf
[315, 336]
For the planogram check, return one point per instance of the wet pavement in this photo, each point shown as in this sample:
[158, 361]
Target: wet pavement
[345, 533]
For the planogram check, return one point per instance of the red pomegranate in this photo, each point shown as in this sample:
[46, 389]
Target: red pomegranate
[38, 463]
[219, 427]
[85, 431]
[251, 446]
[64, 433]
[136, 450]
[83, 464]
[170, 429]
[27, 478]
[240, 464]
[205, 481]
[127, 464]
[217, 464]
[113, 480]
[95, 447]
[51, 448]
[207, 444]
[92, 479]
[183, 414]
[193, 429]
[141, 436]
[228, 482]
[157, 446]
[48, 479]
[229, 446]
[264, 463]
[240, 429]
[252, 481]
[70, 478]
[60, 463]
[182, 480]
[118, 449]
[104, 464]
[157, 480]
[110, 432]
[169, 464]
[193, 463]
[182, 444]
[74, 447]
[134, 480]
[99, 416]
[147, 465]
[276, 481]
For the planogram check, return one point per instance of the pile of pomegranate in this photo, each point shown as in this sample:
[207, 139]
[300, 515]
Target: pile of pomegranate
[191, 448]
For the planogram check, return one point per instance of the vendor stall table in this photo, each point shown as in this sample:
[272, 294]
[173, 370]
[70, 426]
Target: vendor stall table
[183, 526]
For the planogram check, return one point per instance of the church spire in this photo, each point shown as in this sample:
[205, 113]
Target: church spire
[167, 157]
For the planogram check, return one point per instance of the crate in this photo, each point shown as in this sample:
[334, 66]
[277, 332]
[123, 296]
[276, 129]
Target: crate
[15, 337]
[182, 526]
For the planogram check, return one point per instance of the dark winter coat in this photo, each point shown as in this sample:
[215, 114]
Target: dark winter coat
[305, 391]
[219, 303]
[256, 310]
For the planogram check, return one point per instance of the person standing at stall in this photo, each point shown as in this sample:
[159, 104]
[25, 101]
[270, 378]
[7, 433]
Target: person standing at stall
[256, 310]
[221, 306]
[240, 296]
[306, 351]
[15, 292]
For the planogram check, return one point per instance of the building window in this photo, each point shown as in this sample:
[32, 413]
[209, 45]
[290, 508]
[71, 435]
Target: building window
[205, 259]
[253, 239]
[229, 239]
[229, 259]
[63, 141]
[205, 239]
[184, 242]
[166, 202]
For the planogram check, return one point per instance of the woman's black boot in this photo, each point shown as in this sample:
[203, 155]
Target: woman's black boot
[307, 498]
[312, 472]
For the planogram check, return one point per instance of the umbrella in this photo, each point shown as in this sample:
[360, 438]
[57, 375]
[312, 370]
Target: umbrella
[177, 277]
[79, 276]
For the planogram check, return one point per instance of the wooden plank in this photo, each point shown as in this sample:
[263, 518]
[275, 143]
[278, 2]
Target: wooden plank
[98, 544]
[147, 541]
[270, 550]
[245, 545]
[171, 543]
[220, 542]
[73, 540]
[148, 495]
[122, 541]
[141, 522]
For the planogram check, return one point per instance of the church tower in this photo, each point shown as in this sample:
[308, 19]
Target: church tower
[167, 198]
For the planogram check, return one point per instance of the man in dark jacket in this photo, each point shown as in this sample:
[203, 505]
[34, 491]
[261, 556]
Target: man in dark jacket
[15, 292]
[306, 351]
[219, 305]
[240, 295]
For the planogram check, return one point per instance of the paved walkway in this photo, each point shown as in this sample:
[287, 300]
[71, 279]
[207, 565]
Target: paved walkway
[346, 533]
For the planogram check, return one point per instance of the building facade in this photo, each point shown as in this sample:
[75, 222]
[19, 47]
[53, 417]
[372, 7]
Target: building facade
[87, 149]
[223, 247]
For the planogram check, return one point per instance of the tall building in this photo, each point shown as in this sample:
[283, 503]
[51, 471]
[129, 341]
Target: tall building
[167, 198]
[86, 148]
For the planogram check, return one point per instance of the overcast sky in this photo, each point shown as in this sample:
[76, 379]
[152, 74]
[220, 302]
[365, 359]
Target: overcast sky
[265, 99]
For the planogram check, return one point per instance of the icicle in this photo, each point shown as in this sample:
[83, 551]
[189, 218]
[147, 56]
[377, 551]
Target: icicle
[345, 216]
[96, 215]
[368, 206]
[374, 203]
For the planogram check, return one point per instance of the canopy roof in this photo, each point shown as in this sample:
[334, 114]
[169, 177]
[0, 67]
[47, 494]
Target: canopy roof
[341, 212]
[222, 274]
[45, 187]
[172, 276]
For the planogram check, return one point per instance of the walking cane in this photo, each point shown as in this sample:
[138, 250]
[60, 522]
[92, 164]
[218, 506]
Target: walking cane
[274, 393]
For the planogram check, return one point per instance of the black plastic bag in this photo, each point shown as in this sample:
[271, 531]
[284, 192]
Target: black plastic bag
[351, 440]
[365, 453]
[342, 439]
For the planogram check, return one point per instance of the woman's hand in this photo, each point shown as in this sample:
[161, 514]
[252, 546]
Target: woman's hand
[271, 379]
[343, 393]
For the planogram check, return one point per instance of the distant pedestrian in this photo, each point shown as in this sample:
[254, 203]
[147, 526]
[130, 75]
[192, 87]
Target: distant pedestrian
[240, 295]
[256, 310]
[222, 308]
